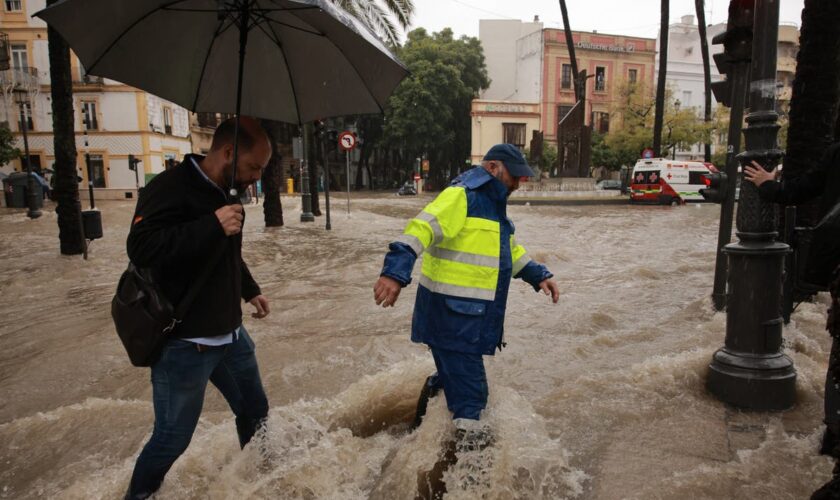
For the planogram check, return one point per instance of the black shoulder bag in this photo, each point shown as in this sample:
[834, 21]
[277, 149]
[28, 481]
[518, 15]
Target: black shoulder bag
[144, 317]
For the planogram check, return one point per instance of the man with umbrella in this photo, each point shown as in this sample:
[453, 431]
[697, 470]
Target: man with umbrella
[182, 224]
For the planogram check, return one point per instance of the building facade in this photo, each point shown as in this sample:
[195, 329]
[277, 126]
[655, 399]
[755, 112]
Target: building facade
[112, 120]
[685, 72]
[532, 84]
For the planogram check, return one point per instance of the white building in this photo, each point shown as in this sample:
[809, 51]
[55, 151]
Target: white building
[112, 120]
[685, 71]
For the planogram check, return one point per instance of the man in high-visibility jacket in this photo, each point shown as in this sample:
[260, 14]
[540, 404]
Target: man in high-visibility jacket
[469, 256]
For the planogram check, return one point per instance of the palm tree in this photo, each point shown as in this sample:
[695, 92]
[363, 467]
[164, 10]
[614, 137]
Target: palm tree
[380, 16]
[66, 192]
[816, 91]
[660, 85]
[272, 178]
[707, 73]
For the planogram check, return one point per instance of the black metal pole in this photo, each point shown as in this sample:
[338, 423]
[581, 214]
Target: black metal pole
[90, 177]
[306, 214]
[739, 76]
[751, 371]
[326, 183]
[31, 196]
[570, 46]
[244, 17]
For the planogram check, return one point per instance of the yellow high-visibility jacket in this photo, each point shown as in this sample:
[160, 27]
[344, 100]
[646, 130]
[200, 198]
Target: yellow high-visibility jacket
[469, 256]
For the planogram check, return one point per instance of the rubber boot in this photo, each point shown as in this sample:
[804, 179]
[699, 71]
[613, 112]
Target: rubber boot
[430, 390]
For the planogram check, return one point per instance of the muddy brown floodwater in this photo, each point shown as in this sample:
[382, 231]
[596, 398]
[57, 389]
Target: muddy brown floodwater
[598, 397]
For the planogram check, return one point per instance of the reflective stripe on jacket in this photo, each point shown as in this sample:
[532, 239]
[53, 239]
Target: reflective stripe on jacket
[469, 255]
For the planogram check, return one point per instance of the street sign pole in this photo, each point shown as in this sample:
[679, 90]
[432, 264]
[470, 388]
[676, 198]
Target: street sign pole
[347, 142]
[348, 181]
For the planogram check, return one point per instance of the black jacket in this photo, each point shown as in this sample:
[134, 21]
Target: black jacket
[821, 179]
[175, 232]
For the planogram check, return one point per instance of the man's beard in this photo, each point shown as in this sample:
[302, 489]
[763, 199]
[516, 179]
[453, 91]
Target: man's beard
[239, 186]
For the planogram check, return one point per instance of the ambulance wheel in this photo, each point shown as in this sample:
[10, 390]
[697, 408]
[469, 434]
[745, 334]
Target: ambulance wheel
[675, 202]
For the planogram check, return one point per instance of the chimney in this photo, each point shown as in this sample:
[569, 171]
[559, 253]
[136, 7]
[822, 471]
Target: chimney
[536, 18]
[689, 20]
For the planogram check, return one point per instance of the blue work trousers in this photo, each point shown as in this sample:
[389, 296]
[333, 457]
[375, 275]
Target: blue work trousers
[179, 380]
[463, 380]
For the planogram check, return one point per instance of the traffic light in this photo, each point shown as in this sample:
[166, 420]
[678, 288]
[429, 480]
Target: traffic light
[132, 162]
[737, 47]
[717, 187]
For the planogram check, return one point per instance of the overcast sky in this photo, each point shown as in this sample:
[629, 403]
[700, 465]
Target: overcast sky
[620, 17]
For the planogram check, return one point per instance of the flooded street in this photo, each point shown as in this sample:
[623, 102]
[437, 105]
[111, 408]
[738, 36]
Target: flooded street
[600, 396]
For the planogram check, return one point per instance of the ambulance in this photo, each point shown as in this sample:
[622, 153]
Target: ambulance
[668, 182]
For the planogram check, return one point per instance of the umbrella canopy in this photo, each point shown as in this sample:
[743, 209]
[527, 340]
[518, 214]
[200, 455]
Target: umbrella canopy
[300, 59]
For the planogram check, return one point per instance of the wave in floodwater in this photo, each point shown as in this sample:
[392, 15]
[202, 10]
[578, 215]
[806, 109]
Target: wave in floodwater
[355, 445]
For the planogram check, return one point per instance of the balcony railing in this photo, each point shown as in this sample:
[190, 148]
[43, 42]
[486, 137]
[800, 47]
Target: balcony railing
[23, 78]
[90, 80]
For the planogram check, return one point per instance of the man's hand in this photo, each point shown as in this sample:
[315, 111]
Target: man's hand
[756, 174]
[386, 291]
[549, 287]
[230, 217]
[260, 303]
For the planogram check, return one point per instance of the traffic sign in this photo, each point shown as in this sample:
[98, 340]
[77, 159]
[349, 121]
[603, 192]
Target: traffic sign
[416, 177]
[647, 153]
[347, 140]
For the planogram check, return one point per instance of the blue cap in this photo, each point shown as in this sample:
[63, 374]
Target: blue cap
[513, 159]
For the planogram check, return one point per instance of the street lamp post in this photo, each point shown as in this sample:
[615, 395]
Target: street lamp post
[751, 371]
[31, 194]
[677, 104]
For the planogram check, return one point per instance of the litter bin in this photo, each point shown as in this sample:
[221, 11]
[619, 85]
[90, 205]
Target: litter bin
[290, 186]
[16, 187]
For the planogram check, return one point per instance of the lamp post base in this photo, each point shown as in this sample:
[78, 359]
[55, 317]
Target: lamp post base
[752, 381]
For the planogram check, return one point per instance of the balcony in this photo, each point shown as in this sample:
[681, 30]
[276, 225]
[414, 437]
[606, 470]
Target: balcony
[22, 78]
[89, 81]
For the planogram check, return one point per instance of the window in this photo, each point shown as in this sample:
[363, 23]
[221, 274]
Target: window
[89, 115]
[632, 75]
[207, 120]
[26, 115]
[514, 133]
[97, 170]
[167, 120]
[169, 161]
[602, 122]
[13, 5]
[649, 177]
[600, 78]
[19, 59]
[686, 99]
[566, 77]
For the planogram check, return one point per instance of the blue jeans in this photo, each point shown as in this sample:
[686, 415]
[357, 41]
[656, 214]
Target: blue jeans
[179, 379]
[463, 380]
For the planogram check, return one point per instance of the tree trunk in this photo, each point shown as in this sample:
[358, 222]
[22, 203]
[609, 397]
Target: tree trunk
[272, 181]
[66, 191]
[816, 91]
[660, 85]
[707, 74]
[313, 168]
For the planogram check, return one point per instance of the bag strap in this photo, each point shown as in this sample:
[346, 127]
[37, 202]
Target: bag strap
[186, 302]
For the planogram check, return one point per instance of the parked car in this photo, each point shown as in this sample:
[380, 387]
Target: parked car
[608, 184]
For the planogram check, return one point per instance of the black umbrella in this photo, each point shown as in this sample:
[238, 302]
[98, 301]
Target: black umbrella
[294, 60]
